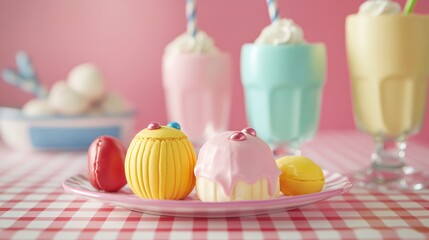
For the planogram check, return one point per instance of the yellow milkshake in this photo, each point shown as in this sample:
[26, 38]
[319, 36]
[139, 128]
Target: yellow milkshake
[389, 66]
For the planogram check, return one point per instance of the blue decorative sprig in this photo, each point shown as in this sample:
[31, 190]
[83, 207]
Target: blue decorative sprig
[24, 77]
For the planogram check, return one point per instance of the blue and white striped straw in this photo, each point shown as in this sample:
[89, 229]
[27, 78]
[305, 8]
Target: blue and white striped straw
[273, 10]
[191, 17]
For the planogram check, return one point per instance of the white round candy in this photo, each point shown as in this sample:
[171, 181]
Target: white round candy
[37, 108]
[113, 104]
[87, 80]
[67, 102]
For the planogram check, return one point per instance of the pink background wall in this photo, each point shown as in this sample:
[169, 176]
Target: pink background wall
[126, 38]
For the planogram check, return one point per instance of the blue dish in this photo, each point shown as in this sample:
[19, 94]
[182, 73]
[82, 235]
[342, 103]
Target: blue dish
[61, 132]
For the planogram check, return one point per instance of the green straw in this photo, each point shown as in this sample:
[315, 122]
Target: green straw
[409, 6]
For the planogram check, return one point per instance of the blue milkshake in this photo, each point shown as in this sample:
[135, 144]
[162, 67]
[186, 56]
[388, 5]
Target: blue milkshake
[283, 91]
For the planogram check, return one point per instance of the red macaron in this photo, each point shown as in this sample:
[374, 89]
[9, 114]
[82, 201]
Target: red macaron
[106, 157]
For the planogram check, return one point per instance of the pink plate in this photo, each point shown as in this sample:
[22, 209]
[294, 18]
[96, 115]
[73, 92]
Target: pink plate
[335, 185]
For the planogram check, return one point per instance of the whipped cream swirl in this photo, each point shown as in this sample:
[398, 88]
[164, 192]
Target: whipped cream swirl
[282, 31]
[379, 7]
[185, 43]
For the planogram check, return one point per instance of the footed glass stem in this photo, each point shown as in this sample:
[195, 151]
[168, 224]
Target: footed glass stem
[388, 170]
[286, 150]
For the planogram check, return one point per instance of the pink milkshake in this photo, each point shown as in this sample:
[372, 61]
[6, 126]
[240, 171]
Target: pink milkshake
[197, 86]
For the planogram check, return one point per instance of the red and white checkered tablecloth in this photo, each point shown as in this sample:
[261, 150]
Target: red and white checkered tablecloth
[33, 204]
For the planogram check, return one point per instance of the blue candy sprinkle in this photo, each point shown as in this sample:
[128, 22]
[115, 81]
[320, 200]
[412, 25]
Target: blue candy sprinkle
[175, 125]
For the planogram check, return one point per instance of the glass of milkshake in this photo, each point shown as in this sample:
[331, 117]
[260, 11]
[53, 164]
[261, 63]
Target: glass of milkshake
[283, 78]
[388, 56]
[197, 86]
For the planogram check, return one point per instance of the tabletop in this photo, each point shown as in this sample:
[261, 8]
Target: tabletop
[33, 204]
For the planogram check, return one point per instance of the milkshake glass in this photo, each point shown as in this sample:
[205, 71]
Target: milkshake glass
[197, 90]
[388, 58]
[283, 92]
